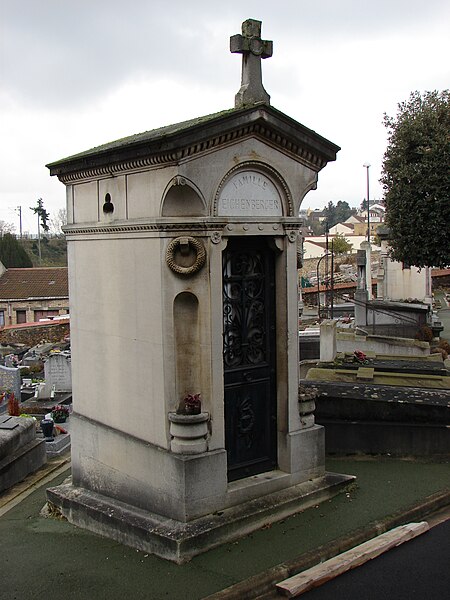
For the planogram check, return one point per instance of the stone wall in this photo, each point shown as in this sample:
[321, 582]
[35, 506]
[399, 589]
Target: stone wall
[381, 345]
[10, 307]
[33, 335]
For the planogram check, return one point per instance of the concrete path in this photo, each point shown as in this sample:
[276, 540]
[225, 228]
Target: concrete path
[48, 558]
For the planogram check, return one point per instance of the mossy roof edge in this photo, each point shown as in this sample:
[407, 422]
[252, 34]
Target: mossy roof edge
[146, 136]
[170, 136]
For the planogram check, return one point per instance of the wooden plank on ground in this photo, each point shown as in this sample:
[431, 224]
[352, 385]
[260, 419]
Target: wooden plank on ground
[319, 574]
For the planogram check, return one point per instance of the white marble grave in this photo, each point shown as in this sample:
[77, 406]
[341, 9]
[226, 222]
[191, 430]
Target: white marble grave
[58, 373]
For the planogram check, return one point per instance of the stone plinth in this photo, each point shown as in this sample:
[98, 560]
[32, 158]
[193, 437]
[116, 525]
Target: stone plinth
[327, 341]
[180, 541]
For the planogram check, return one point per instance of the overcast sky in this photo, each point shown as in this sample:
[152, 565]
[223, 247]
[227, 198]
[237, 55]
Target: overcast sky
[78, 73]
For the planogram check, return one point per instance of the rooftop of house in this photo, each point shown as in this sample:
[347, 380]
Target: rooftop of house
[41, 282]
[349, 226]
[354, 219]
[317, 243]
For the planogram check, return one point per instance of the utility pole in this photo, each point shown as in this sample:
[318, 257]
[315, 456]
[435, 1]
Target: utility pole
[367, 166]
[332, 280]
[39, 238]
[18, 210]
[327, 283]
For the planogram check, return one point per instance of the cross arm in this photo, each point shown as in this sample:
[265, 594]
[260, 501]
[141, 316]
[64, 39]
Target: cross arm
[240, 44]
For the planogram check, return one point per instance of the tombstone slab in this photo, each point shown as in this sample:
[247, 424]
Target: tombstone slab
[57, 373]
[10, 381]
[20, 452]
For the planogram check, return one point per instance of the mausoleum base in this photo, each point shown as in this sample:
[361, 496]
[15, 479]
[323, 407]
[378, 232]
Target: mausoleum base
[180, 541]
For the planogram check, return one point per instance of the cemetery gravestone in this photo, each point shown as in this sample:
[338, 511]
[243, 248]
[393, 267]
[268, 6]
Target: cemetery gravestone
[31, 359]
[11, 361]
[58, 375]
[10, 380]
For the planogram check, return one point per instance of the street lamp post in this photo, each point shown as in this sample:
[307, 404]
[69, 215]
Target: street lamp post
[367, 166]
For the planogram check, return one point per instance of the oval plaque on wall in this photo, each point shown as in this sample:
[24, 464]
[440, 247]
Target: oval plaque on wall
[249, 194]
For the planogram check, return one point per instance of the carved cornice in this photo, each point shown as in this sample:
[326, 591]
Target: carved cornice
[213, 228]
[303, 155]
[129, 166]
[156, 227]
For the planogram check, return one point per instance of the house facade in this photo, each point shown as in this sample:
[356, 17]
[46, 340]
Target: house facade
[31, 294]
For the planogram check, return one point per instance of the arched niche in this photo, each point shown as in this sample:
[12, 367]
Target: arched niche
[253, 189]
[187, 344]
[183, 199]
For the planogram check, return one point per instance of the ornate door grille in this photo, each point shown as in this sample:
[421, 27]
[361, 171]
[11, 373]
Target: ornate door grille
[249, 357]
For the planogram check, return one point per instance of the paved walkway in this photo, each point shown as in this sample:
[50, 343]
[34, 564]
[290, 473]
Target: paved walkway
[49, 558]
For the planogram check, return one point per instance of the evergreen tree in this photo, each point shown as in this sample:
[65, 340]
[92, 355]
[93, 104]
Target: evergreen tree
[416, 180]
[12, 254]
[43, 214]
[338, 213]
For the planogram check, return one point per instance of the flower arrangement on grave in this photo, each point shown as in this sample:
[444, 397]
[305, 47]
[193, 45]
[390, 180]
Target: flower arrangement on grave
[60, 413]
[13, 404]
[360, 357]
[190, 405]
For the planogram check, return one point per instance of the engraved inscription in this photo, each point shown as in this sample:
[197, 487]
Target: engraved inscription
[249, 193]
[57, 369]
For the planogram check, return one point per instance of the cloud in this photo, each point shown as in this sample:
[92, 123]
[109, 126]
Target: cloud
[61, 53]
[78, 74]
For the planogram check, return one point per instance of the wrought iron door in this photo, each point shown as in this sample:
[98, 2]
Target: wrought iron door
[249, 357]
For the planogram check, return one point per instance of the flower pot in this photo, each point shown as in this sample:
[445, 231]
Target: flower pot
[192, 410]
[47, 429]
[189, 433]
[61, 419]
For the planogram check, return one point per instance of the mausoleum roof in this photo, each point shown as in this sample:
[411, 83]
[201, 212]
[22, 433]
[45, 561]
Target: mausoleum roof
[180, 140]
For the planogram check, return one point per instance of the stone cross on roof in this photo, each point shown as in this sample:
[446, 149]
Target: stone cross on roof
[252, 48]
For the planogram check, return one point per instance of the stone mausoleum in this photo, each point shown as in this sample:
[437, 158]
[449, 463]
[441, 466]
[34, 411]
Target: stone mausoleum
[183, 245]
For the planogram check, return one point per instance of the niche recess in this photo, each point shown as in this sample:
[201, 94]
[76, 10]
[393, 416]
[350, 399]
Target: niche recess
[108, 206]
[187, 344]
[182, 199]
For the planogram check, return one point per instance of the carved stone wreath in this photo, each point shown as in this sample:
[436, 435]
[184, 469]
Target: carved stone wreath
[184, 244]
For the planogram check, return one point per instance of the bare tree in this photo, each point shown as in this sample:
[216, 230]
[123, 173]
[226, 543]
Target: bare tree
[6, 228]
[58, 221]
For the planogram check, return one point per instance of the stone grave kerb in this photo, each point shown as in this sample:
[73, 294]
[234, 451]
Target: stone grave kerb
[163, 227]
